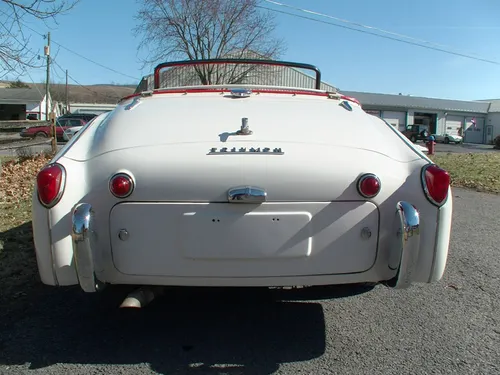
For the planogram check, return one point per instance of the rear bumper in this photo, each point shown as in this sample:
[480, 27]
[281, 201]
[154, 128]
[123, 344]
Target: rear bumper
[83, 237]
[407, 245]
[405, 250]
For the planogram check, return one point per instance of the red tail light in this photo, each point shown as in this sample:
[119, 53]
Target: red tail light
[50, 183]
[121, 185]
[436, 182]
[369, 185]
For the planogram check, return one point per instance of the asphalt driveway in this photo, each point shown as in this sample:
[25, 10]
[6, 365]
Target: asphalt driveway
[449, 327]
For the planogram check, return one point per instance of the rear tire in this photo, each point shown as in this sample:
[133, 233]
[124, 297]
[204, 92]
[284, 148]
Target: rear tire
[413, 138]
[447, 140]
[41, 135]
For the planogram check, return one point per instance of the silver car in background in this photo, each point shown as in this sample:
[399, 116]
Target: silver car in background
[447, 138]
[70, 132]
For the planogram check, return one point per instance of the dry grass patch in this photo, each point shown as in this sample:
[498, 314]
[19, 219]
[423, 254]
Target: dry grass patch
[18, 269]
[478, 171]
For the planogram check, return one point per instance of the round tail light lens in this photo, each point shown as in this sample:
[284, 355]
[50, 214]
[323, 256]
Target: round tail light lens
[50, 183]
[369, 185]
[436, 182]
[121, 185]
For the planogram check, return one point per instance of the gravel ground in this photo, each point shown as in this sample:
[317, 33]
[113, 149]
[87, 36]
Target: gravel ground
[449, 327]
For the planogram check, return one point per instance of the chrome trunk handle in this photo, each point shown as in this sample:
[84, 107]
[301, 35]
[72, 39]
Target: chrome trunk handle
[246, 194]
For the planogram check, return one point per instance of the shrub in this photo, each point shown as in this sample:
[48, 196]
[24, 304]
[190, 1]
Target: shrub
[496, 142]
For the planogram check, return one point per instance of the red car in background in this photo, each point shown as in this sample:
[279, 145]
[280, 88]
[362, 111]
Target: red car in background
[62, 123]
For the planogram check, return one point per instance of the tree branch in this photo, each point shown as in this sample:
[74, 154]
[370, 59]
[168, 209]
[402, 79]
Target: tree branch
[206, 29]
[15, 56]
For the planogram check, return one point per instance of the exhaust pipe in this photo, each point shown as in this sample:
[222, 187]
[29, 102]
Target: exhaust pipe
[141, 297]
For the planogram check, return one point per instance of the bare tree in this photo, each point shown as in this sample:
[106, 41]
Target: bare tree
[15, 56]
[207, 29]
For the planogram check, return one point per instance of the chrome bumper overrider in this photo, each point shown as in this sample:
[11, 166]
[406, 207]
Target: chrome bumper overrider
[408, 245]
[83, 239]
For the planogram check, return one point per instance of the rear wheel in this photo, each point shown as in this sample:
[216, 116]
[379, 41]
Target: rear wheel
[447, 140]
[41, 135]
[413, 138]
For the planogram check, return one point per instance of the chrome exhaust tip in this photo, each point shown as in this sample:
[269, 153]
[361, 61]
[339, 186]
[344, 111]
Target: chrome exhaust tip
[141, 297]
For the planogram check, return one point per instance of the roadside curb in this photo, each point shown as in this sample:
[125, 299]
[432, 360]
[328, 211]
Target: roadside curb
[22, 145]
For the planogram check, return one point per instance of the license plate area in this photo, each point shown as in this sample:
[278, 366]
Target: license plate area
[230, 234]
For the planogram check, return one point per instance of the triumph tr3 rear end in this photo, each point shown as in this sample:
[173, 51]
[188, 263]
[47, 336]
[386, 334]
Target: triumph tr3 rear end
[240, 185]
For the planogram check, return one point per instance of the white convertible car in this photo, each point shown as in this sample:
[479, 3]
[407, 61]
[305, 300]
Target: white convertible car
[241, 185]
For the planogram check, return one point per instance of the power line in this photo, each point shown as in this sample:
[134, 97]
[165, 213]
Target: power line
[79, 84]
[372, 33]
[92, 61]
[355, 23]
[74, 52]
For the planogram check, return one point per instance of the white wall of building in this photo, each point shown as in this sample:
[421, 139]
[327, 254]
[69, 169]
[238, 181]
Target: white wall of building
[493, 125]
[474, 133]
[448, 123]
[90, 108]
[44, 116]
[452, 124]
[395, 118]
[40, 108]
[441, 122]
[33, 108]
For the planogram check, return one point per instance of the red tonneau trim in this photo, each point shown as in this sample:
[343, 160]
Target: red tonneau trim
[268, 91]
[200, 90]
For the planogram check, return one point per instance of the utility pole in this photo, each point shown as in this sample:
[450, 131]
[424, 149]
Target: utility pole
[67, 94]
[47, 53]
[47, 96]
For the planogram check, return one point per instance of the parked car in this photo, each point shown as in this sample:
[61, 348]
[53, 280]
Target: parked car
[62, 123]
[70, 132]
[417, 133]
[260, 186]
[84, 116]
[447, 138]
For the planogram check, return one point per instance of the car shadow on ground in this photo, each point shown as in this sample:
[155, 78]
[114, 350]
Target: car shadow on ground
[187, 330]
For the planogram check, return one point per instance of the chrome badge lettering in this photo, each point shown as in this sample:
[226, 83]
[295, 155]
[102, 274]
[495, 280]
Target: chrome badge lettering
[244, 150]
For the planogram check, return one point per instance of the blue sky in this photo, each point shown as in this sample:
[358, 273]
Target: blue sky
[102, 31]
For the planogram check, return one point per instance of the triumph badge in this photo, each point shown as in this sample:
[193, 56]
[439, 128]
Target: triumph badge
[245, 128]
[244, 150]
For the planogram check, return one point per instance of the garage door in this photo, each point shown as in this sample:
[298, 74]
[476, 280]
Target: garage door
[474, 129]
[453, 124]
[396, 119]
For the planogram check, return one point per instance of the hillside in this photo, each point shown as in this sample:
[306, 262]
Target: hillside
[101, 93]
[90, 94]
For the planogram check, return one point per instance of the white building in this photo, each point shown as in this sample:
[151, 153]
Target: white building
[475, 118]
[19, 103]
[93, 108]
[493, 119]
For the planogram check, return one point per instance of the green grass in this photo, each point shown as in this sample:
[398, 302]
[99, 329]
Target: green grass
[5, 159]
[478, 171]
